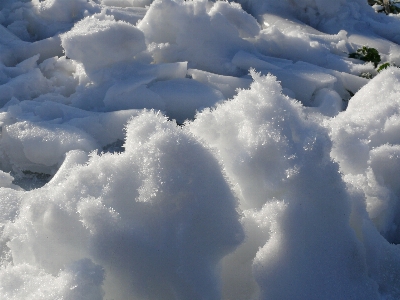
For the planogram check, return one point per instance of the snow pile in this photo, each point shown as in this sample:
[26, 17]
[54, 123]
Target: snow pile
[187, 31]
[157, 218]
[366, 144]
[174, 149]
[102, 43]
[279, 162]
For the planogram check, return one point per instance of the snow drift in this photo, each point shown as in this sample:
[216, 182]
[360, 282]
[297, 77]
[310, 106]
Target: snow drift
[176, 149]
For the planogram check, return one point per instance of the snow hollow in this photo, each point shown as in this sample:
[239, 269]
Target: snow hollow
[199, 149]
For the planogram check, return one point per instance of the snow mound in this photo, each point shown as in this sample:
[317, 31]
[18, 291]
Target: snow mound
[366, 145]
[171, 149]
[280, 165]
[158, 226]
[122, 39]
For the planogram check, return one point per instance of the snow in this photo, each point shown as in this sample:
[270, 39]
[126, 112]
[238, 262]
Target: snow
[370, 126]
[199, 149]
[102, 43]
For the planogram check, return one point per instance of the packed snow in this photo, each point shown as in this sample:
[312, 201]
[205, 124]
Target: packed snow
[198, 149]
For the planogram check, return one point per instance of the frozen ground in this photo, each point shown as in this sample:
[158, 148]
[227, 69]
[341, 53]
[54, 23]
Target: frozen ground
[175, 149]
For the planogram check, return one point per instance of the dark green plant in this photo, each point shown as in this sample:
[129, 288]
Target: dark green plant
[367, 54]
[383, 67]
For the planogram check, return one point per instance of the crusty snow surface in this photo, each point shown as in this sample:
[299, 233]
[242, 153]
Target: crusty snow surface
[198, 149]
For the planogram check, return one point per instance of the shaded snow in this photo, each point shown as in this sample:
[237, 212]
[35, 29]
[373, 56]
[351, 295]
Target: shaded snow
[176, 149]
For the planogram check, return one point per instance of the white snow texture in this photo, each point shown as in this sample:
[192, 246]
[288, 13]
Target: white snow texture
[171, 149]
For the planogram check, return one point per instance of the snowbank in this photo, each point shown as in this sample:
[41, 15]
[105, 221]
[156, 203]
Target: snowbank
[366, 145]
[279, 162]
[174, 149]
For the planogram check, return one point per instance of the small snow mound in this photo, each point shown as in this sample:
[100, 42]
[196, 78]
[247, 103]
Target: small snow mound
[100, 43]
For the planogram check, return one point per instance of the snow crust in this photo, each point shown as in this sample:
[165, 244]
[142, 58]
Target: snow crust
[174, 149]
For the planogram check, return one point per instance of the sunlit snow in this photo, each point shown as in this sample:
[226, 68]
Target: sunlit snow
[198, 149]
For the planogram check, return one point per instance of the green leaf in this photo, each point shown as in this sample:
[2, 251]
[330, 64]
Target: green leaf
[383, 67]
[367, 54]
